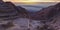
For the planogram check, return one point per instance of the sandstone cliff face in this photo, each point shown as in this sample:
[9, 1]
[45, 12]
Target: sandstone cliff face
[7, 11]
[55, 23]
[7, 14]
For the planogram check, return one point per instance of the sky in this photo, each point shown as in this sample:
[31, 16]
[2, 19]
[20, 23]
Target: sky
[33, 0]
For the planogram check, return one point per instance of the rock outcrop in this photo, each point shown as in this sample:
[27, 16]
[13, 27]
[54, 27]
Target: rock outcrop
[55, 23]
[9, 12]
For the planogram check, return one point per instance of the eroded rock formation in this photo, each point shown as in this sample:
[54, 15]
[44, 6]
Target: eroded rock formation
[8, 13]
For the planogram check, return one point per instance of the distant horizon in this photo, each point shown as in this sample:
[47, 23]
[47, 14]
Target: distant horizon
[37, 3]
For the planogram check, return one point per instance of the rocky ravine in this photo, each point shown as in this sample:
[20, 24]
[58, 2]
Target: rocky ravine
[13, 17]
[17, 18]
[51, 14]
